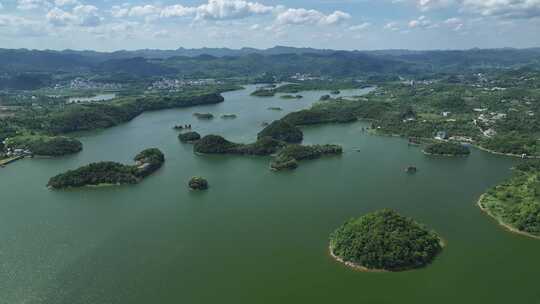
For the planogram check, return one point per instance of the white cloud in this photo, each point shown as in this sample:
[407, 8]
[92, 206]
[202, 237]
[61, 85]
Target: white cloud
[392, 26]
[145, 10]
[426, 5]
[82, 15]
[360, 27]
[421, 22]
[120, 11]
[21, 27]
[66, 2]
[455, 23]
[87, 15]
[504, 8]
[177, 10]
[301, 16]
[500, 8]
[32, 4]
[58, 17]
[231, 9]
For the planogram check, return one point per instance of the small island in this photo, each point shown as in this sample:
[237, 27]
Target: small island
[206, 116]
[275, 109]
[288, 157]
[198, 183]
[110, 173]
[515, 204]
[325, 97]
[228, 116]
[42, 145]
[189, 137]
[447, 149]
[384, 241]
[282, 130]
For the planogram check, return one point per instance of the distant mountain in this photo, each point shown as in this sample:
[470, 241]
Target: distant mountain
[17, 65]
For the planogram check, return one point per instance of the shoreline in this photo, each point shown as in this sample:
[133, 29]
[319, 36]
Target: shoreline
[504, 154]
[445, 155]
[361, 268]
[506, 226]
[380, 133]
[353, 265]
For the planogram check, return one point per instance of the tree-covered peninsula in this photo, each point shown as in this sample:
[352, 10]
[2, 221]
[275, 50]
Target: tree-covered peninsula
[44, 145]
[515, 204]
[215, 144]
[110, 173]
[288, 157]
[384, 241]
[282, 130]
[447, 149]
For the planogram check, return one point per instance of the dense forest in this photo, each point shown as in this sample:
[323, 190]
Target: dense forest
[110, 173]
[45, 145]
[385, 240]
[447, 149]
[516, 202]
[283, 131]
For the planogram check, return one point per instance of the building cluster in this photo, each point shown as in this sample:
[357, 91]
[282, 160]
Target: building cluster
[179, 84]
[14, 152]
[80, 83]
[305, 77]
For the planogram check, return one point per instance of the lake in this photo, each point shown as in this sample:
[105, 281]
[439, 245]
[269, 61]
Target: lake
[255, 236]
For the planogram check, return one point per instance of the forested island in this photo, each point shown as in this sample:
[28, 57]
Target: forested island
[43, 145]
[198, 183]
[110, 173]
[384, 241]
[515, 204]
[189, 137]
[447, 149]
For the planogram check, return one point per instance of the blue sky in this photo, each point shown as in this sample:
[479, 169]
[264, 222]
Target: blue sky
[337, 24]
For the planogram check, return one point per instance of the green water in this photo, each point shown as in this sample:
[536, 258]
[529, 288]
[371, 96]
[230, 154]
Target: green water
[256, 236]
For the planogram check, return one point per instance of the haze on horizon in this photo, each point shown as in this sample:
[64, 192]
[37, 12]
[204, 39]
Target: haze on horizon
[326, 24]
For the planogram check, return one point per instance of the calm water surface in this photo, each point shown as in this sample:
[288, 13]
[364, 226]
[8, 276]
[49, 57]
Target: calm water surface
[256, 236]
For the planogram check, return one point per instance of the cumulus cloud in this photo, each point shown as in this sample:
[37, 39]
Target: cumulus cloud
[21, 27]
[426, 5]
[455, 23]
[504, 8]
[177, 10]
[301, 16]
[82, 15]
[231, 9]
[499, 8]
[421, 22]
[144, 10]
